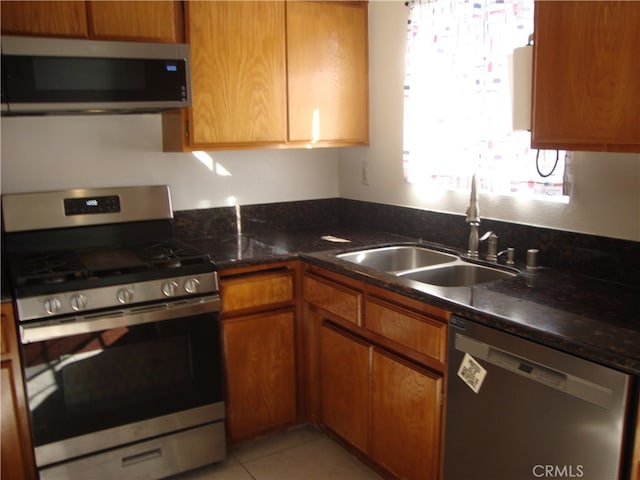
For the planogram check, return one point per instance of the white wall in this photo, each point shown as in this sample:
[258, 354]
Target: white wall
[49, 153]
[41, 153]
[606, 194]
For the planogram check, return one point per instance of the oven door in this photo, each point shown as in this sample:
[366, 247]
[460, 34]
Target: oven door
[97, 382]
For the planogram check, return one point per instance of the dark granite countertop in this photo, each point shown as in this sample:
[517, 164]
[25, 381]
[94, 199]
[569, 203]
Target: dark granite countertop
[593, 319]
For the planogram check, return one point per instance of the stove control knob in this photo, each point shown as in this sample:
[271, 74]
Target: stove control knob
[191, 285]
[170, 288]
[124, 296]
[52, 305]
[79, 302]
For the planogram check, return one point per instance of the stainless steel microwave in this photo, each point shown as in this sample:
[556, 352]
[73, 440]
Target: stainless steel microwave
[50, 76]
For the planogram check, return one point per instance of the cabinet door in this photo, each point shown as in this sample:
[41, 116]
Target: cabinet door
[344, 381]
[405, 412]
[260, 365]
[17, 457]
[54, 18]
[238, 73]
[152, 21]
[327, 55]
[585, 79]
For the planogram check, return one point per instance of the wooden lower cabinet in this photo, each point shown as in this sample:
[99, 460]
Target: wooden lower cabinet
[261, 373]
[345, 376]
[259, 335]
[406, 416]
[374, 372]
[381, 405]
[16, 454]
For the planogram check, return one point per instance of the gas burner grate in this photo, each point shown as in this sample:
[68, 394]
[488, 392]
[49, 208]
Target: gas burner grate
[47, 268]
[171, 254]
[75, 269]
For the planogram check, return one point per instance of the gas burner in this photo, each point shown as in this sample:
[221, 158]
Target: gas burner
[106, 249]
[170, 254]
[47, 268]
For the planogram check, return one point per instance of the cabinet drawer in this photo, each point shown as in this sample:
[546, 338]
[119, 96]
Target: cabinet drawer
[256, 290]
[333, 298]
[423, 334]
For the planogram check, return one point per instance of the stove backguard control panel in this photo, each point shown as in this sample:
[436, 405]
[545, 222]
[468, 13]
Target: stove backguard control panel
[91, 205]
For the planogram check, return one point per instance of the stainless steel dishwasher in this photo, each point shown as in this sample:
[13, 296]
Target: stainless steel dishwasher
[517, 410]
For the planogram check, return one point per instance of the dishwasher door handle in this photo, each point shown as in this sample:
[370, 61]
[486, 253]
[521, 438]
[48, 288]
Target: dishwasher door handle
[536, 372]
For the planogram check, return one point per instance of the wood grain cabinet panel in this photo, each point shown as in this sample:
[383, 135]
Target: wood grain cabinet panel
[345, 386]
[585, 76]
[256, 290]
[238, 73]
[423, 334]
[334, 298]
[16, 460]
[376, 382]
[145, 21]
[261, 373]
[52, 18]
[406, 414]
[327, 55]
[151, 21]
[259, 333]
[274, 75]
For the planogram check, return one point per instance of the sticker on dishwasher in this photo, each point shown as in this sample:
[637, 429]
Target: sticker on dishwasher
[472, 373]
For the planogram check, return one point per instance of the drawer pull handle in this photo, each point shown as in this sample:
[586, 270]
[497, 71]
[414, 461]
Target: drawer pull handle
[141, 457]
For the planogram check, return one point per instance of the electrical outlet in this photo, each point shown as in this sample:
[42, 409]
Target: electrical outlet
[364, 173]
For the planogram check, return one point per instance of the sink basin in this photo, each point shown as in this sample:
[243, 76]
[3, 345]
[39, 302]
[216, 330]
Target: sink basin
[398, 258]
[459, 275]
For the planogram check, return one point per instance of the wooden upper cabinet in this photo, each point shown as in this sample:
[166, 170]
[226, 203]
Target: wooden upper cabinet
[45, 18]
[151, 21]
[274, 74]
[327, 54]
[585, 76]
[238, 71]
[145, 21]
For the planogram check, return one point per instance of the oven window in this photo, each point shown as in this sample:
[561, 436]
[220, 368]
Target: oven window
[94, 381]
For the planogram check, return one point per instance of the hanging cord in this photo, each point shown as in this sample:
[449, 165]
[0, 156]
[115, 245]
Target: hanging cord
[554, 165]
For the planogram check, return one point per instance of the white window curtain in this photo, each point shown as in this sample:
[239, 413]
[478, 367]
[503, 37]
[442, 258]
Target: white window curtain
[457, 105]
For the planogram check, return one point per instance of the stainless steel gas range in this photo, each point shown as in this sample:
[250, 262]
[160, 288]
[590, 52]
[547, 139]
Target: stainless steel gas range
[119, 331]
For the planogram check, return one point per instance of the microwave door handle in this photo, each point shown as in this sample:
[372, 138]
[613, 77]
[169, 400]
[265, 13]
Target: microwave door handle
[48, 330]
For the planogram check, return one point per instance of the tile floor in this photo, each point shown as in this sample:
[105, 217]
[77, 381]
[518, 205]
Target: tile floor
[300, 453]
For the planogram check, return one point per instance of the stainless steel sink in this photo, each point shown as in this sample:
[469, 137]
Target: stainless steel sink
[424, 265]
[459, 275]
[399, 258]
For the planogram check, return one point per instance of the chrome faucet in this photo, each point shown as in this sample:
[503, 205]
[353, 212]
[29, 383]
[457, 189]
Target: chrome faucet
[473, 219]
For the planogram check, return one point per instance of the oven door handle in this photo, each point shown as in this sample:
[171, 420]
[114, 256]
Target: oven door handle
[68, 326]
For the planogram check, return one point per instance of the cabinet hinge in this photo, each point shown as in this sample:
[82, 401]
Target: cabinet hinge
[186, 129]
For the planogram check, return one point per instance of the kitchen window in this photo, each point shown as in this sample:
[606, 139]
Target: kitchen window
[457, 102]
